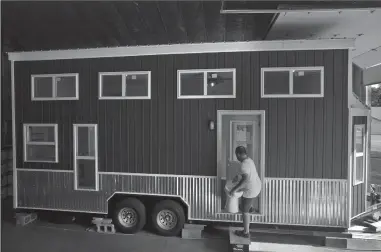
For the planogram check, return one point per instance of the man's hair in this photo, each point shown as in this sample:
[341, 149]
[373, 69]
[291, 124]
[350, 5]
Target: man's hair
[240, 150]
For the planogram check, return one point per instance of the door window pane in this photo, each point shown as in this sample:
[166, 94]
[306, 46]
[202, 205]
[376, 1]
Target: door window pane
[86, 174]
[359, 168]
[86, 142]
[359, 140]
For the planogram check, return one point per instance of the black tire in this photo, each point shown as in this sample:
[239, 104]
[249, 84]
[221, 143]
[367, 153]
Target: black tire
[136, 209]
[173, 208]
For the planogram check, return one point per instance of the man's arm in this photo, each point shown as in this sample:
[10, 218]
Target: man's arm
[244, 177]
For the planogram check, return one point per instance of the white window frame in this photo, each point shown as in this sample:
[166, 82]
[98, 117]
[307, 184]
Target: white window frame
[360, 154]
[124, 75]
[291, 81]
[27, 142]
[54, 87]
[76, 157]
[205, 72]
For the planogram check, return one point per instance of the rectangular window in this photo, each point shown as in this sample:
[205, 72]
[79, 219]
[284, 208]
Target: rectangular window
[292, 82]
[125, 85]
[41, 143]
[359, 154]
[208, 83]
[86, 157]
[55, 87]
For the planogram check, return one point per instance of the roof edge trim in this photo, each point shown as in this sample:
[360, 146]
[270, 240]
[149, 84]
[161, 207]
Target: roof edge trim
[247, 46]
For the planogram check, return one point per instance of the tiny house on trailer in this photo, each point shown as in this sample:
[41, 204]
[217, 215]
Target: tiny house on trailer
[151, 130]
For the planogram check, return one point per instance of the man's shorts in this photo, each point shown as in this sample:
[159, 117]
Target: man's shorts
[247, 204]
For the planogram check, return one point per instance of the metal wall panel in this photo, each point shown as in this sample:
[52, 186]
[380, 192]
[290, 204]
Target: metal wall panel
[6, 102]
[315, 202]
[305, 137]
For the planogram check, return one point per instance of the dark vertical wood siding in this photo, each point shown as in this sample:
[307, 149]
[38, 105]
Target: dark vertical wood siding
[358, 191]
[6, 102]
[305, 137]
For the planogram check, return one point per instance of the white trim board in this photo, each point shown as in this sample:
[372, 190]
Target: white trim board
[247, 46]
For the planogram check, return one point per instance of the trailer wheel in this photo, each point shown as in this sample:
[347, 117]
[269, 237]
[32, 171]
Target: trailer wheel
[129, 216]
[168, 218]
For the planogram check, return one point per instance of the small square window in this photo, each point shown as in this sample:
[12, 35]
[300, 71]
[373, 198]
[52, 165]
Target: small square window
[292, 82]
[307, 82]
[43, 87]
[41, 134]
[277, 82]
[66, 86]
[210, 83]
[55, 87]
[112, 85]
[136, 85]
[220, 83]
[192, 84]
[125, 85]
[40, 143]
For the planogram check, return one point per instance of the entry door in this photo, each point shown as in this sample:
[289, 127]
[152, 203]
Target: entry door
[237, 128]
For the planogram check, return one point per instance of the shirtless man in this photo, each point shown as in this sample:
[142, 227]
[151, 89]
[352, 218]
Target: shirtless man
[250, 184]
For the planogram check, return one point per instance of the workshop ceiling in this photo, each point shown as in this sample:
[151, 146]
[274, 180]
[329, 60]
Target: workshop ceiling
[29, 26]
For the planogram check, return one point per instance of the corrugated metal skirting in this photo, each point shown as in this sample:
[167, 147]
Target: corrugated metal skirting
[317, 202]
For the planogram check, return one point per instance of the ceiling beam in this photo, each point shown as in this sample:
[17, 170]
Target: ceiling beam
[251, 7]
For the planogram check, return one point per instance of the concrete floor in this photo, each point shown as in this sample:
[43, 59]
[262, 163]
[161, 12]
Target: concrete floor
[44, 236]
[57, 239]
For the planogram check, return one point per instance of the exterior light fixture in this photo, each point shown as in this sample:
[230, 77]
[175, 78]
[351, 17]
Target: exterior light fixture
[211, 125]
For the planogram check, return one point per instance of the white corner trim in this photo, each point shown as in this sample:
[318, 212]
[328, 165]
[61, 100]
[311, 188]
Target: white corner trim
[14, 156]
[247, 46]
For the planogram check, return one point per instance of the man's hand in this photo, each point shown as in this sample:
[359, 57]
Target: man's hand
[232, 192]
[236, 179]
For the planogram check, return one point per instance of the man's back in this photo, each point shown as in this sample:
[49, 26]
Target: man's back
[253, 185]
